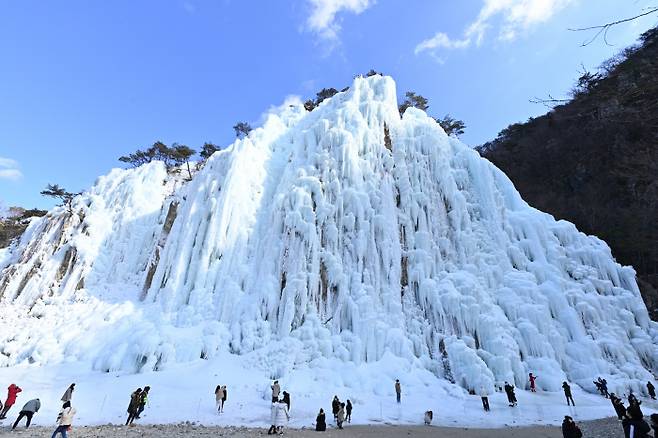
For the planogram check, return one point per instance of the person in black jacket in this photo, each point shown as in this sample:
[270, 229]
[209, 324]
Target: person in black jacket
[634, 410]
[652, 390]
[335, 406]
[635, 427]
[133, 406]
[567, 393]
[348, 410]
[569, 428]
[320, 422]
[618, 405]
[511, 397]
[604, 387]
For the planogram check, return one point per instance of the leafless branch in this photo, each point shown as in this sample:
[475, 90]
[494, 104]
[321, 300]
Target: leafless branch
[603, 29]
[550, 103]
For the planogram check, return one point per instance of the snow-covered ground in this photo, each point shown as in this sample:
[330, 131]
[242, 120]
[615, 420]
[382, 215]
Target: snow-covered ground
[185, 392]
[335, 250]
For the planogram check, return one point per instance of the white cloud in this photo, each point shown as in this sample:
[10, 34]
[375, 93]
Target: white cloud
[322, 20]
[8, 163]
[443, 41]
[9, 169]
[516, 17]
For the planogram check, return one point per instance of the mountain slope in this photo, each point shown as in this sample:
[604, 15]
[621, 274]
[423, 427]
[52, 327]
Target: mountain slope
[311, 240]
[594, 160]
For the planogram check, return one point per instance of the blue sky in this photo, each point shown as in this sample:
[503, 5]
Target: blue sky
[84, 82]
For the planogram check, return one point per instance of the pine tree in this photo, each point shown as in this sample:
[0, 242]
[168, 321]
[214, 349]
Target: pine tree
[323, 94]
[451, 125]
[207, 150]
[309, 105]
[242, 129]
[57, 192]
[180, 154]
[413, 100]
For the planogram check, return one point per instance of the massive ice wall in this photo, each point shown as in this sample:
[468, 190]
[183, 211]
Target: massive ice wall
[346, 232]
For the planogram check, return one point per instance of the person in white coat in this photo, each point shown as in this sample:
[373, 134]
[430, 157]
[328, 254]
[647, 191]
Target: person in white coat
[282, 416]
[64, 420]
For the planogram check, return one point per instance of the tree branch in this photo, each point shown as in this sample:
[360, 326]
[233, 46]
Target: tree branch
[604, 28]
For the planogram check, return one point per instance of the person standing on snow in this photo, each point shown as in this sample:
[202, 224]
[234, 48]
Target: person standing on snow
[634, 410]
[348, 410]
[29, 409]
[652, 390]
[484, 395]
[286, 399]
[532, 382]
[320, 422]
[340, 417]
[64, 420]
[224, 397]
[219, 396]
[570, 429]
[12, 393]
[398, 390]
[602, 386]
[429, 415]
[619, 407]
[276, 389]
[133, 406]
[597, 383]
[511, 397]
[335, 406]
[143, 399]
[567, 393]
[68, 393]
[282, 416]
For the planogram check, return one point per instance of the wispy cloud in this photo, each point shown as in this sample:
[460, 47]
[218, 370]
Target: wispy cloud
[514, 18]
[323, 19]
[9, 169]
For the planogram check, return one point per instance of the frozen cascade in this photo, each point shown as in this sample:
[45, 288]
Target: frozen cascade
[347, 232]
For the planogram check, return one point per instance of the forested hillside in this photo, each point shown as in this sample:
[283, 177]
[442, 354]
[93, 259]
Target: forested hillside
[594, 159]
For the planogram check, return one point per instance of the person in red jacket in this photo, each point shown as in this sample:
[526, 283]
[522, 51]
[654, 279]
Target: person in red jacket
[12, 393]
[532, 382]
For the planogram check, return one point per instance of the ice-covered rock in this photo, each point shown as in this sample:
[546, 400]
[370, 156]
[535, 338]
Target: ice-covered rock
[347, 232]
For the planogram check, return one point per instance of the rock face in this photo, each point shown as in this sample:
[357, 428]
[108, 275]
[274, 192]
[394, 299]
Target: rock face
[593, 161]
[346, 232]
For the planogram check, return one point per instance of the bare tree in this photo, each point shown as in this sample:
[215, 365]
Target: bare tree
[602, 29]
